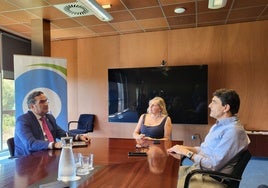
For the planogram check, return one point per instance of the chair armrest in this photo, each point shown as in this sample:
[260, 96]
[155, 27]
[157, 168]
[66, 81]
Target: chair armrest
[220, 175]
[70, 122]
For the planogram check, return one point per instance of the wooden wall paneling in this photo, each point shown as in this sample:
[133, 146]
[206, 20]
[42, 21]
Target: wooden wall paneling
[245, 56]
[258, 89]
[236, 58]
[143, 50]
[194, 46]
[258, 145]
[95, 56]
[68, 49]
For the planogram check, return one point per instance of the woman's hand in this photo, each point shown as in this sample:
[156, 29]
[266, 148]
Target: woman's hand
[141, 136]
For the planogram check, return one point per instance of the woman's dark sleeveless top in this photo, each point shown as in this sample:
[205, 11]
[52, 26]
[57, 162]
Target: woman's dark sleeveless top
[153, 131]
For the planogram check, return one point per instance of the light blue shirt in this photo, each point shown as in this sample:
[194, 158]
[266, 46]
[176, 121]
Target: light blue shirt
[225, 139]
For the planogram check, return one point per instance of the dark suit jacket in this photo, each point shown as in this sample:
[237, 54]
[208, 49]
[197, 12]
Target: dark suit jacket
[29, 136]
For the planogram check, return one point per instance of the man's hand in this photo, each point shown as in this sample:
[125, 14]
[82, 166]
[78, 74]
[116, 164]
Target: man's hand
[179, 149]
[84, 137]
[58, 145]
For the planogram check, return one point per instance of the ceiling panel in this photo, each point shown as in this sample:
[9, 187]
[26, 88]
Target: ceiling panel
[121, 16]
[130, 16]
[147, 13]
[153, 23]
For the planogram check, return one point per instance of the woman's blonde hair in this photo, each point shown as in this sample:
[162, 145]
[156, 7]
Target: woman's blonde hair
[160, 101]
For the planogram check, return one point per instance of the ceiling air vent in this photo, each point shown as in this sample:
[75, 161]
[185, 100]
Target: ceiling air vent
[74, 9]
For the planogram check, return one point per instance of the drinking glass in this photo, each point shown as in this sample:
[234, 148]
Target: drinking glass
[86, 164]
[77, 159]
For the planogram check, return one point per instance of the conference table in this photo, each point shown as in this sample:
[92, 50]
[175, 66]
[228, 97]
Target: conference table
[113, 167]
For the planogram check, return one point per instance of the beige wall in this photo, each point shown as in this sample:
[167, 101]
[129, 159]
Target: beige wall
[236, 54]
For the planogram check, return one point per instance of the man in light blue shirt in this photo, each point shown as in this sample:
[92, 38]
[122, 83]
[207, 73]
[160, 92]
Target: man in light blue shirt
[225, 139]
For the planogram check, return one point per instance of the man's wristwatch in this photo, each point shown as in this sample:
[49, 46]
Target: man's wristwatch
[189, 154]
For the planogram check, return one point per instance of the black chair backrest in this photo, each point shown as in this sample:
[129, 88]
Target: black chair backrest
[86, 121]
[11, 146]
[243, 159]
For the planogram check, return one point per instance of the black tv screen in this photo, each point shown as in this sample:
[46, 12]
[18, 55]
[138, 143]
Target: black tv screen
[184, 89]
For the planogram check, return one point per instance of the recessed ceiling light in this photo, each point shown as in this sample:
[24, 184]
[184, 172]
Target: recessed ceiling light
[179, 10]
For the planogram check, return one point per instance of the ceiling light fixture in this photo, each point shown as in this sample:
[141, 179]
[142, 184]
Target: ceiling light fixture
[106, 6]
[215, 4]
[98, 11]
[179, 10]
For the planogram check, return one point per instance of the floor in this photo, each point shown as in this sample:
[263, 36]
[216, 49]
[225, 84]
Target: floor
[255, 173]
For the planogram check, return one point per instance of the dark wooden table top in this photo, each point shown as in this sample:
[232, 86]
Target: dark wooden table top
[113, 166]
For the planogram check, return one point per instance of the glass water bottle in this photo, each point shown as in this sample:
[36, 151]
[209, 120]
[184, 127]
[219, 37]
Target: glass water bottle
[67, 167]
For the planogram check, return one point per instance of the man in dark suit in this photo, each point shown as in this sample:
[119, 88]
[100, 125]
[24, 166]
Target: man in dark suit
[30, 132]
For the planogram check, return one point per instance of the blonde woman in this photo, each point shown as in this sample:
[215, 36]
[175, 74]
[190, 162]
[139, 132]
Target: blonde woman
[155, 124]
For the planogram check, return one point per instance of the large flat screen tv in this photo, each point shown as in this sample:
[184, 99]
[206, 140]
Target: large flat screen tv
[184, 89]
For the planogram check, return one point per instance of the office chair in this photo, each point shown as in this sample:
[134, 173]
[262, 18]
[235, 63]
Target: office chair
[85, 124]
[11, 147]
[231, 180]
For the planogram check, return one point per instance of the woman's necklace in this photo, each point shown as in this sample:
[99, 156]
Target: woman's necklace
[153, 120]
[155, 117]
